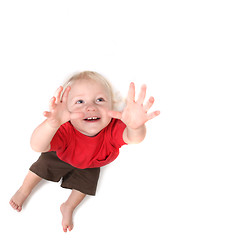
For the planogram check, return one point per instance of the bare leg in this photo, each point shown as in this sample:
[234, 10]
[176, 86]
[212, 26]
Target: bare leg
[68, 207]
[30, 181]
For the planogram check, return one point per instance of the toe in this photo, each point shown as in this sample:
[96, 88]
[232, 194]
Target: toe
[19, 208]
[13, 204]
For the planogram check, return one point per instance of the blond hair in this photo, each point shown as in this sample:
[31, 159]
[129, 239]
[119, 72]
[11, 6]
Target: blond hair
[91, 75]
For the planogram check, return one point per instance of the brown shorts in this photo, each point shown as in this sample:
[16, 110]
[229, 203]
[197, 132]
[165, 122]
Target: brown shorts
[51, 168]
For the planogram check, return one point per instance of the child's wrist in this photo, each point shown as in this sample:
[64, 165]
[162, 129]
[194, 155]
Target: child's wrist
[142, 127]
[140, 131]
[135, 135]
[52, 126]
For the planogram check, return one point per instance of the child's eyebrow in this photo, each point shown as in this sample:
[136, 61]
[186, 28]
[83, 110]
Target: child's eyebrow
[77, 97]
[96, 95]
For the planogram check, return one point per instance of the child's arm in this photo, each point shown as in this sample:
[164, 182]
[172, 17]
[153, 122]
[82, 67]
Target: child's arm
[42, 136]
[135, 115]
[58, 115]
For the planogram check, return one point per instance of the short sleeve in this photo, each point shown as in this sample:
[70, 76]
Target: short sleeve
[60, 139]
[117, 130]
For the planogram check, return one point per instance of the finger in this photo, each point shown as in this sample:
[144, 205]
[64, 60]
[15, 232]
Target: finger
[46, 114]
[115, 114]
[149, 104]
[153, 115]
[65, 94]
[142, 95]
[58, 94]
[131, 93]
[52, 103]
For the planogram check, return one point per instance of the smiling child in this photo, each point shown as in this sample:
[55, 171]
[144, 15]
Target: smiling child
[82, 133]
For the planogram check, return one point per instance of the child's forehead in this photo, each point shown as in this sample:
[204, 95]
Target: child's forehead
[89, 85]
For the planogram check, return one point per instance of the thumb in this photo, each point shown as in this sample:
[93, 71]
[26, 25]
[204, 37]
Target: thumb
[115, 114]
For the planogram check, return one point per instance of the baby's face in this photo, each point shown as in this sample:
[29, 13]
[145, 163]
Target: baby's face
[93, 100]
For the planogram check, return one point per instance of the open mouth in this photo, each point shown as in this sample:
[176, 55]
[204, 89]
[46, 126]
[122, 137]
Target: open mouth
[92, 119]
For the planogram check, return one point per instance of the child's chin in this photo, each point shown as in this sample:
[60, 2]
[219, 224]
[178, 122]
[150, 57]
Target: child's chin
[92, 133]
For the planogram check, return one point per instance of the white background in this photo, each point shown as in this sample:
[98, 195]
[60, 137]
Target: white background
[177, 184]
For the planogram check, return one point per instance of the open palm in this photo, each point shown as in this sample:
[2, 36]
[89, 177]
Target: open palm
[135, 114]
[59, 113]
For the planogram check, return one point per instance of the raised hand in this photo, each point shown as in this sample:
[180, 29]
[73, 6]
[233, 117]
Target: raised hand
[135, 114]
[59, 113]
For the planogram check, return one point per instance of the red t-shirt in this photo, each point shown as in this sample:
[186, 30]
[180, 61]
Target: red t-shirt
[82, 151]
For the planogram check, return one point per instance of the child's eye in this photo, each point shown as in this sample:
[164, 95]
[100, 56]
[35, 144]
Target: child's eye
[79, 101]
[100, 100]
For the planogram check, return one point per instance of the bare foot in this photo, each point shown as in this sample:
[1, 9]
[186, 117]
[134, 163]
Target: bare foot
[18, 199]
[67, 217]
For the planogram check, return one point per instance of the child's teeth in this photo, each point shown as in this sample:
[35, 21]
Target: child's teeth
[92, 118]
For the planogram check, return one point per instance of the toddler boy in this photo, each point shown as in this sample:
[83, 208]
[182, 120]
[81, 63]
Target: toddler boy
[82, 133]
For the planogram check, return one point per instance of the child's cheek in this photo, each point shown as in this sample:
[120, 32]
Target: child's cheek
[74, 108]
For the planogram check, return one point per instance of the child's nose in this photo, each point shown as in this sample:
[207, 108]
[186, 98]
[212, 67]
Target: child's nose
[91, 107]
